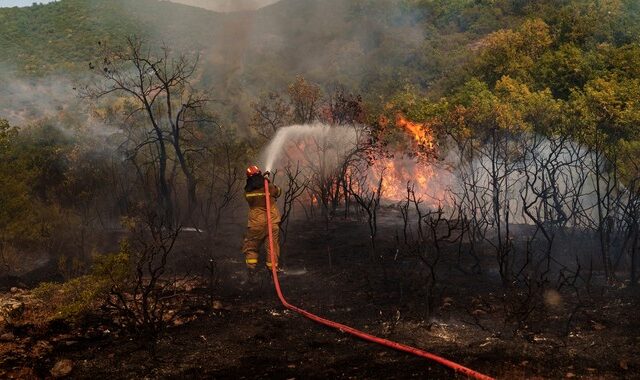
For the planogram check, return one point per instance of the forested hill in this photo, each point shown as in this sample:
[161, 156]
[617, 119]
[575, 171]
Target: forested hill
[377, 47]
[62, 36]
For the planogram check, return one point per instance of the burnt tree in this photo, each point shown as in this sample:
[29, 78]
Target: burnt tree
[162, 117]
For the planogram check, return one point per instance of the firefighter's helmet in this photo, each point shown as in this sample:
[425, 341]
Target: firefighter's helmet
[253, 170]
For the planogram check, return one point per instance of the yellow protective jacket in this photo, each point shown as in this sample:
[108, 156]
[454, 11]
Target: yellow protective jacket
[258, 207]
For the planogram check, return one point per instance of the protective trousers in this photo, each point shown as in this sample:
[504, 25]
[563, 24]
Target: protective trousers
[257, 236]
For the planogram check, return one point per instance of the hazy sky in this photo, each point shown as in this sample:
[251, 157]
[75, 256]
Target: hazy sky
[21, 3]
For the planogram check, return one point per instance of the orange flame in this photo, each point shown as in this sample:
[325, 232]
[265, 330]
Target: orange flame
[420, 132]
[397, 173]
[411, 166]
[418, 172]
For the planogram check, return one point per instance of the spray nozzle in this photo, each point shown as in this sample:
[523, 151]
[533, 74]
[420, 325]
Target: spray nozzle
[267, 174]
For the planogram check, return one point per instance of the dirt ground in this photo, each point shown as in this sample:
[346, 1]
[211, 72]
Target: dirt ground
[241, 331]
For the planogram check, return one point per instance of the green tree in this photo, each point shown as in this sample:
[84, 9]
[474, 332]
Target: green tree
[513, 52]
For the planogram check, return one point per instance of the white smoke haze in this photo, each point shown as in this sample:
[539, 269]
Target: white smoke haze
[244, 54]
[234, 52]
[25, 100]
[555, 181]
[227, 5]
[52, 100]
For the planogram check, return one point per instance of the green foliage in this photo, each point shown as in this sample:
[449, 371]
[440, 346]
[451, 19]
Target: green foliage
[513, 52]
[50, 187]
[606, 112]
[114, 268]
[73, 298]
[629, 164]
[18, 209]
[566, 68]
[467, 67]
[81, 295]
[58, 37]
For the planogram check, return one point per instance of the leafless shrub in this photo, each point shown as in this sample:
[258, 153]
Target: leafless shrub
[143, 295]
[295, 187]
[427, 235]
[368, 199]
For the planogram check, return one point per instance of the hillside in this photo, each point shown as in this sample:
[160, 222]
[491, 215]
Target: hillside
[359, 41]
[62, 37]
[375, 47]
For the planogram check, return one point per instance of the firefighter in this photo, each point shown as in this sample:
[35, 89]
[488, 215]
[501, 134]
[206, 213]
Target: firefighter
[257, 233]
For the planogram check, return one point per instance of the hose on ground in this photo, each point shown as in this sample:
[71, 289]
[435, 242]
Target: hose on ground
[350, 330]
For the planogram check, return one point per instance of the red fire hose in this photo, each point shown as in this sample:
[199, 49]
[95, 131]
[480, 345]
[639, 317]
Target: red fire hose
[343, 328]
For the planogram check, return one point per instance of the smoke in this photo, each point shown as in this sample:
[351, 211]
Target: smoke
[328, 42]
[52, 100]
[26, 100]
[554, 179]
[227, 5]
[245, 54]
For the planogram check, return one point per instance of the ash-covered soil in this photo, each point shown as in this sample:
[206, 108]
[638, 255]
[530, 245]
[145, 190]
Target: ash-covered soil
[241, 331]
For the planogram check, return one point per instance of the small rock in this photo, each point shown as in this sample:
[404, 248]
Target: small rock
[11, 308]
[14, 290]
[41, 348]
[22, 373]
[7, 337]
[62, 368]
[216, 305]
[570, 375]
[478, 312]
[62, 337]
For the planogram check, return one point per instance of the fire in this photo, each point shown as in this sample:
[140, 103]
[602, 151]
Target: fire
[397, 173]
[411, 165]
[420, 132]
[416, 169]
